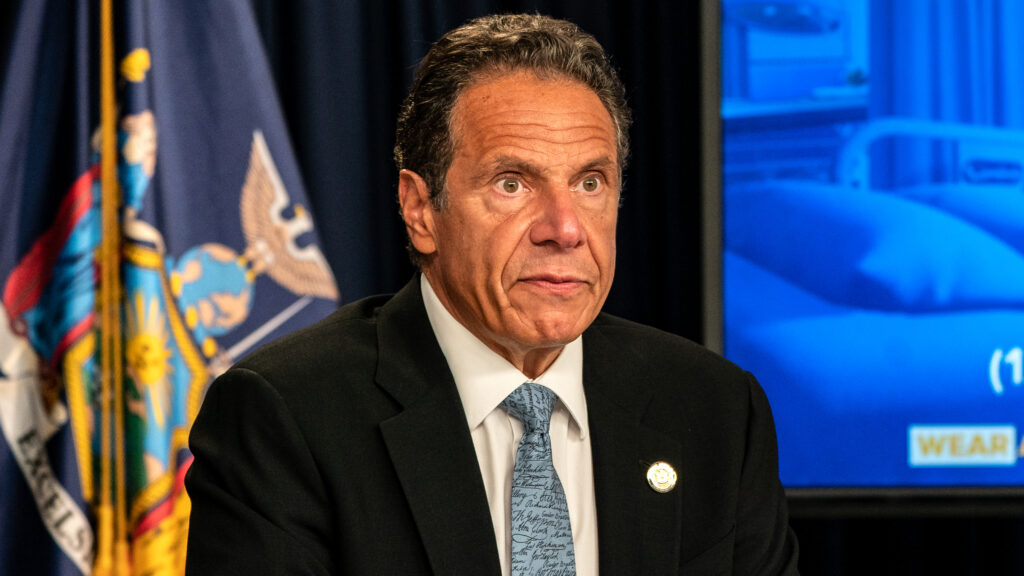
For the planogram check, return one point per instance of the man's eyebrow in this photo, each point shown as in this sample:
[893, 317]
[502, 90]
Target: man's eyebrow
[506, 163]
[511, 163]
[602, 163]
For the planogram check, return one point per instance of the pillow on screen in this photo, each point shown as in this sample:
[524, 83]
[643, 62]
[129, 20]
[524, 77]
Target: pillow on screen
[998, 211]
[870, 249]
[747, 288]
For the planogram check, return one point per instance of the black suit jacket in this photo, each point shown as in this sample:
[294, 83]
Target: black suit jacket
[344, 449]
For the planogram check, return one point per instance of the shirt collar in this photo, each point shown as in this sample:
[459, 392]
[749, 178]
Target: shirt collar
[484, 378]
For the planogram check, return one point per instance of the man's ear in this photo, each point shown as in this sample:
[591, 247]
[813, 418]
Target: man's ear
[417, 211]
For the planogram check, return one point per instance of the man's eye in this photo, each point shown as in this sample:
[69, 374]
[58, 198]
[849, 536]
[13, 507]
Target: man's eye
[590, 184]
[510, 185]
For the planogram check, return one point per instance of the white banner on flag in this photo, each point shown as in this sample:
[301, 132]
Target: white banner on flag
[27, 426]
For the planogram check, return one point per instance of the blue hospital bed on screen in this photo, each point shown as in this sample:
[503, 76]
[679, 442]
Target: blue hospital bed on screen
[866, 311]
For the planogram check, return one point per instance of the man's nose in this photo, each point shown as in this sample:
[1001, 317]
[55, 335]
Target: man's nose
[558, 221]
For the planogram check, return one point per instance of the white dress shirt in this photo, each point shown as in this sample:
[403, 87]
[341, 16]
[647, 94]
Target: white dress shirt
[484, 379]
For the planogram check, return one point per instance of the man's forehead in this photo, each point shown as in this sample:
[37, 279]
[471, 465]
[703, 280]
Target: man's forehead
[521, 106]
[525, 88]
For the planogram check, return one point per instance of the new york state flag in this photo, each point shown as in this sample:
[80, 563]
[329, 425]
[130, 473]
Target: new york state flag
[153, 229]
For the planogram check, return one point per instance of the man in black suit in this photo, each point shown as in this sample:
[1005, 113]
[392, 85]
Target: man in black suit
[378, 441]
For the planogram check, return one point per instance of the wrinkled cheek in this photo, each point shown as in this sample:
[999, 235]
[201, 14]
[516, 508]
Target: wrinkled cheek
[608, 270]
[501, 281]
[488, 292]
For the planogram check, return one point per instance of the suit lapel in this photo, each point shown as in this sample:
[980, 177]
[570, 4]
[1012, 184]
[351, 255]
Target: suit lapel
[638, 529]
[430, 444]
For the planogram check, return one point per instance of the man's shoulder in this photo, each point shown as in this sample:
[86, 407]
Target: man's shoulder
[669, 366]
[348, 331]
[651, 344]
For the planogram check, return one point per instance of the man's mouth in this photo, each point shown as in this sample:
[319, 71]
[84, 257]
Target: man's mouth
[555, 283]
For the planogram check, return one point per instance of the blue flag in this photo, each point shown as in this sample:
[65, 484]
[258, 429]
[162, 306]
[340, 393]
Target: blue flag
[155, 229]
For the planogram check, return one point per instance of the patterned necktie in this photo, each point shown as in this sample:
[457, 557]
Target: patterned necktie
[541, 534]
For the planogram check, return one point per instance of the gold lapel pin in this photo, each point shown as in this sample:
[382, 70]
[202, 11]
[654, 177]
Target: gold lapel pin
[662, 477]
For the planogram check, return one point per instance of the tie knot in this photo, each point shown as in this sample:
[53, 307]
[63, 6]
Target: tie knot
[531, 404]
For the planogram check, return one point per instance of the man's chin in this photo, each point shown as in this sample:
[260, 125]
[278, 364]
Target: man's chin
[553, 330]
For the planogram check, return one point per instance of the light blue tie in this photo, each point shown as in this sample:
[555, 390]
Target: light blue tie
[541, 533]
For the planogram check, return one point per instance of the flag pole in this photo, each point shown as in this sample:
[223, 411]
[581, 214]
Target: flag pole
[112, 551]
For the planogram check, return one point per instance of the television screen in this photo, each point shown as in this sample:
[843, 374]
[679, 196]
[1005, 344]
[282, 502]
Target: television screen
[872, 239]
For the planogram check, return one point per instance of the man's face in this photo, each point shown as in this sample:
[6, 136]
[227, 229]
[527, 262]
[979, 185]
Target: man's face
[523, 253]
